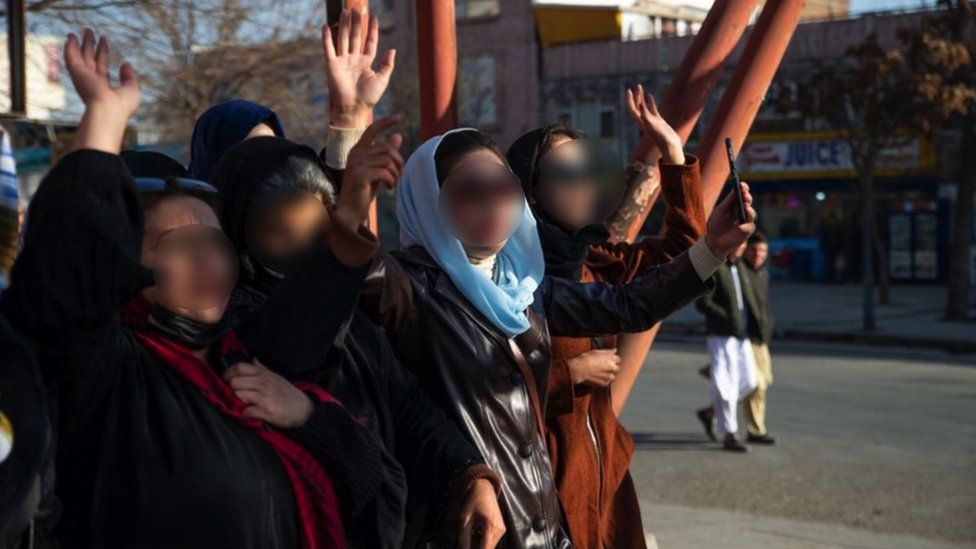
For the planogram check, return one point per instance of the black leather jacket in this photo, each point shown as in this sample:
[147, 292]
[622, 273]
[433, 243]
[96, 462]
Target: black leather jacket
[494, 387]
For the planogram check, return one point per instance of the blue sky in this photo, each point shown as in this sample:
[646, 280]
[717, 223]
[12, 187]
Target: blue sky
[875, 5]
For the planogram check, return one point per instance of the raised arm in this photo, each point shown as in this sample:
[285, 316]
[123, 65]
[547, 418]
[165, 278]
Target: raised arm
[643, 178]
[80, 260]
[354, 86]
[294, 328]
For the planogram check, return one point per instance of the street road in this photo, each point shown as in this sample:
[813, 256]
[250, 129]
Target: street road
[875, 448]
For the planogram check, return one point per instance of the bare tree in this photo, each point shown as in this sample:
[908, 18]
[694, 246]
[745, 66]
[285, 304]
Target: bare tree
[194, 53]
[941, 54]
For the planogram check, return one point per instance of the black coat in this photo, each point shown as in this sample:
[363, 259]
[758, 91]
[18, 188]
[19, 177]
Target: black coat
[143, 460]
[721, 307]
[299, 325]
[759, 281]
[495, 388]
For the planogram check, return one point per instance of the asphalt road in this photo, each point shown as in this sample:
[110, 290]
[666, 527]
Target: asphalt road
[875, 448]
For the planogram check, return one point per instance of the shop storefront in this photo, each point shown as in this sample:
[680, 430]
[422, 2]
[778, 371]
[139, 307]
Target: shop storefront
[810, 206]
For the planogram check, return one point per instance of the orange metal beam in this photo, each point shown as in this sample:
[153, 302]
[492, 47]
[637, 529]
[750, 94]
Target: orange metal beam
[437, 64]
[739, 105]
[695, 79]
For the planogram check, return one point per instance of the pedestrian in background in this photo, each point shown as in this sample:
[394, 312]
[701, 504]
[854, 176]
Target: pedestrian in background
[728, 310]
[760, 332]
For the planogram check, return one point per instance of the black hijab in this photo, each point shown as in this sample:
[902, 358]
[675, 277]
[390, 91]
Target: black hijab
[565, 251]
[152, 164]
[249, 173]
[223, 126]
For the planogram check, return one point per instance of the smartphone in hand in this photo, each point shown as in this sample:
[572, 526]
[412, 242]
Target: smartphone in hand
[735, 180]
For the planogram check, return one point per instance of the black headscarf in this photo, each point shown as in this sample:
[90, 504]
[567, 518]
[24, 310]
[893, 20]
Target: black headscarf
[565, 251]
[223, 126]
[152, 164]
[247, 174]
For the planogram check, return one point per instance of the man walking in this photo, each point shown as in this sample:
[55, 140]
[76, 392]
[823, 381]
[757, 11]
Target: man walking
[728, 312]
[760, 332]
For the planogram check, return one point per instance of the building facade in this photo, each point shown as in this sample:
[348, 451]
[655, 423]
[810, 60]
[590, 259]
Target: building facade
[806, 186]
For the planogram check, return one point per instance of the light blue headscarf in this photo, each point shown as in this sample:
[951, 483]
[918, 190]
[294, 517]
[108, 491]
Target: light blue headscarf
[519, 267]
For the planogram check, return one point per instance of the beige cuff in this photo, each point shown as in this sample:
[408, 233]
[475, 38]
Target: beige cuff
[703, 260]
[338, 143]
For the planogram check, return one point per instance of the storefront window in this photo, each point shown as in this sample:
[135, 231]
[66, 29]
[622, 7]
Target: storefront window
[477, 104]
[471, 9]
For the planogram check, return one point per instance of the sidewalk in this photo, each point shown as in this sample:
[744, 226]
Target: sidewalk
[822, 312]
[679, 527]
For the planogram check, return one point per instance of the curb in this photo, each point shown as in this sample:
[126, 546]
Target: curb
[951, 346]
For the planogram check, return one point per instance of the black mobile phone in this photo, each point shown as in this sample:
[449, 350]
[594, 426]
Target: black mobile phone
[735, 180]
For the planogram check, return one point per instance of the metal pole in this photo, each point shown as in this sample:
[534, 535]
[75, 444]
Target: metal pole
[437, 63]
[17, 51]
[683, 103]
[695, 79]
[753, 73]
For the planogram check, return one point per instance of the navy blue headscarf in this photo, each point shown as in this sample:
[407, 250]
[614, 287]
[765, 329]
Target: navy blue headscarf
[220, 128]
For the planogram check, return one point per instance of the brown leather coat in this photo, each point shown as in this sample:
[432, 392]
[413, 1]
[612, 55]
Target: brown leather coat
[589, 449]
[495, 388]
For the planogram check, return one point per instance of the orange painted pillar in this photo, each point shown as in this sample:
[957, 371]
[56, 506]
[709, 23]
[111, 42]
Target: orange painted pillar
[753, 73]
[437, 64]
[695, 79]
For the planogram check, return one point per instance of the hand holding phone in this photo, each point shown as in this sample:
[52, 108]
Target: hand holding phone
[735, 180]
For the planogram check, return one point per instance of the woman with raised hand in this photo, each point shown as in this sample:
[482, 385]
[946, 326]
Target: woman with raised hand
[569, 191]
[168, 434]
[280, 211]
[468, 307]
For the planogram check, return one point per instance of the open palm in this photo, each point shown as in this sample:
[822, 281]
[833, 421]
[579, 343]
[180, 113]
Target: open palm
[87, 64]
[353, 83]
[643, 110]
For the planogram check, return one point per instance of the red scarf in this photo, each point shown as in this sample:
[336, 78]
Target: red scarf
[315, 499]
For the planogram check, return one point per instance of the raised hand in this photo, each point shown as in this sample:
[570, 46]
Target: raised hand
[370, 163]
[107, 107]
[354, 86]
[725, 233]
[643, 110]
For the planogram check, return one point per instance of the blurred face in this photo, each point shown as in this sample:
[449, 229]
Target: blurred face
[483, 201]
[756, 254]
[567, 188]
[737, 254]
[194, 264]
[285, 227]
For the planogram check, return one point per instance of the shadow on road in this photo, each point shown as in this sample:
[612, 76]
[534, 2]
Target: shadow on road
[673, 441]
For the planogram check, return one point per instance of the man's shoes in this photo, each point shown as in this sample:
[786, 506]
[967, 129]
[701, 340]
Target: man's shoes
[706, 417]
[760, 439]
[732, 444]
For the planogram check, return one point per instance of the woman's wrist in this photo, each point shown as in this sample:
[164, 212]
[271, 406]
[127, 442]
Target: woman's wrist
[102, 129]
[349, 117]
[673, 153]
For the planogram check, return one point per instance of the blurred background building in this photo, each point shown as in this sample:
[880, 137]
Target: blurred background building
[522, 64]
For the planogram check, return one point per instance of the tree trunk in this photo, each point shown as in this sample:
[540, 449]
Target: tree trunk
[869, 230]
[960, 258]
[884, 281]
